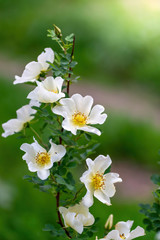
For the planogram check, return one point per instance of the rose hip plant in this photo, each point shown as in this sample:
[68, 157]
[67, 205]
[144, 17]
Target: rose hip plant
[61, 128]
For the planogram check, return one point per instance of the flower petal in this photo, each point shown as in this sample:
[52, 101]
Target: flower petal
[43, 174]
[113, 235]
[137, 232]
[41, 94]
[101, 196]
[59, 82]
[37, 147]
[67, 125]
[30, 74]
[90, 129]
[57, 152]
[101, 163]
[123, 228]
[87, 200]
[12, 126]
[32, 167]
[67, 109]
[24, 113]
[96, 115]
[47, 55]
[83, 104]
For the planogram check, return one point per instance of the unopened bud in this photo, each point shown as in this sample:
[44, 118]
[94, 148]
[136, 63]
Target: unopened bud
[57, 31]
[109, 223]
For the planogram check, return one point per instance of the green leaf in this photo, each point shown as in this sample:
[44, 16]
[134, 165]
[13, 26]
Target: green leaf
[73, 64]
[69, 38]
[62, 181]
[54, 230]
[156, 179]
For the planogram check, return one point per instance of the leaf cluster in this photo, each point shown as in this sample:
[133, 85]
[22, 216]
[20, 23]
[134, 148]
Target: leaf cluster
[152, 212]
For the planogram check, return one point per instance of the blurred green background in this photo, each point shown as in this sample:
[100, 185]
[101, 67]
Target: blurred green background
[118, 50]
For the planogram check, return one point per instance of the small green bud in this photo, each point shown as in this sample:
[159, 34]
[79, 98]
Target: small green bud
[57, 31]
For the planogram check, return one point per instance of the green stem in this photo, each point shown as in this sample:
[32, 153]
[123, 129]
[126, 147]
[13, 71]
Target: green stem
[69, 75]
[39, 138]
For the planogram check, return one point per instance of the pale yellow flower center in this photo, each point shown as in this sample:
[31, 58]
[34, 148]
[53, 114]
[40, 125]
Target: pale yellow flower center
[122, 236]
[54, 91]
[79, 119]
[98, 181]
[43, 158]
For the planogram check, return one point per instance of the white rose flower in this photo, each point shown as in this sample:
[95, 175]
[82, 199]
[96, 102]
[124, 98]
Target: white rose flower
[122, 231]
[34, 69]
[78, 114]
[39, 160]
[48, 91]
[97, 183]
[23, 116]
[77, 217]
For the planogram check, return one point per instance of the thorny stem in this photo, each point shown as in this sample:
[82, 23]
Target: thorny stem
[60, 141]
[39, 138]
[59, 215]
[69, 75]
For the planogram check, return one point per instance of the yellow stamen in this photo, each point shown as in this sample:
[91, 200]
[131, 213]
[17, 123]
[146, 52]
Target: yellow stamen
[79, 119]
[122, 236]
[98, 181]
[54, 91]
[43, 158]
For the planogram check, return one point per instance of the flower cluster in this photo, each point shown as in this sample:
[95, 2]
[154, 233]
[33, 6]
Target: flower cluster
[122, 231]
[75, 115]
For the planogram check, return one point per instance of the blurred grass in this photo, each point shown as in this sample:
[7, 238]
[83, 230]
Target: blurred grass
[118, 42]
[30, 209]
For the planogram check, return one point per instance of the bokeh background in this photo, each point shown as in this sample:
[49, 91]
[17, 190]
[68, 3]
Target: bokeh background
[118, 50]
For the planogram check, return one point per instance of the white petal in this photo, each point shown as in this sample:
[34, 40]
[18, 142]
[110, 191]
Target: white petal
[109, 189]
[112, 177]
[34, 103]
[59, 82]
[41, 94]
[129, 223]
[137, 233]
[37, 147]
[32, 167]
[43, 174]
[89, 220]
[12, 126]
[102, 197]
[90, 129]
[87, 200]
[30, 74]
[30, 153]
[96, 115]
[28, 148]
[90, 163]
[50, 84]
[101, 163]
[57, 152]
[67, 109]
[73, 223]
[47, 55]
[123, 228]
[83, 104]
[86, 177]
[113, 235]
[67, 125]
[24, 113]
